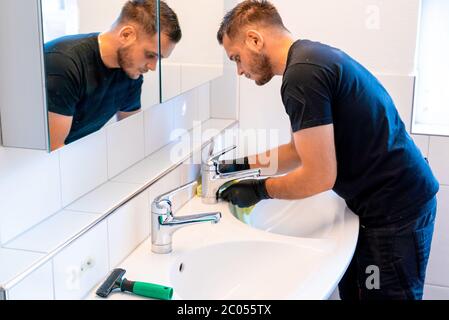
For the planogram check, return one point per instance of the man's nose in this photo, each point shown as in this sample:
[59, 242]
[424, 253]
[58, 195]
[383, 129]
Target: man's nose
[152, 65]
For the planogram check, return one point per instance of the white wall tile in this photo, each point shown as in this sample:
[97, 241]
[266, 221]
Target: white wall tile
[150, 89]
[435, 293]
[203, 102]
[14, 262]
[158, 122]
[128, 227]
[53, 232]
[171, 81]
[189, 171]
[439, 158]
[37, 286]
[104, 198]
[125, 144]
[83, 166]
[83, 264]
[29, 189]
[185, 110]
[437, 270]
[224, 94]
[195, 75]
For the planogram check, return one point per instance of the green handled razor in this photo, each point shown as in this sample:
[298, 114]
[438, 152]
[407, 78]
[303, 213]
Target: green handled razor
[116, 281]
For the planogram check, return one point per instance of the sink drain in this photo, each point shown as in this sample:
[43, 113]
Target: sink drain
[181, 267]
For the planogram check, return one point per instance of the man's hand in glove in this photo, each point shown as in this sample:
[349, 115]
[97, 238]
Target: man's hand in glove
[246, 193]
[228, 166]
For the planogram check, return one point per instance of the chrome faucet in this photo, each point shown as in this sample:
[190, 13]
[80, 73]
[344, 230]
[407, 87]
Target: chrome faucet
[213, 179]
[164, 224]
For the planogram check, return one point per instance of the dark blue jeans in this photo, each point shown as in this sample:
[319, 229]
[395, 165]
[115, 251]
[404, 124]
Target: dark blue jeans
[390, 261]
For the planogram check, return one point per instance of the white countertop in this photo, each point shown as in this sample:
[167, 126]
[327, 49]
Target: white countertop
[325, 259]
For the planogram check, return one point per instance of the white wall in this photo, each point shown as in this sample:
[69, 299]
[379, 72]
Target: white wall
[98, 15]
[382, 35]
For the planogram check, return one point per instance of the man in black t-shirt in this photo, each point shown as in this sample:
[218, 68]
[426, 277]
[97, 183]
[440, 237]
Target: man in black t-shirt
[92, 77]
[348, 137]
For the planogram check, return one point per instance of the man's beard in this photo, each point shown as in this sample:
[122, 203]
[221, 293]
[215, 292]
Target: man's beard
[261, 66]
[124, 61]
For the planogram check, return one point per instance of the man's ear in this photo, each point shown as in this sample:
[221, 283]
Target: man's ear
[127, 34]
[254, 40]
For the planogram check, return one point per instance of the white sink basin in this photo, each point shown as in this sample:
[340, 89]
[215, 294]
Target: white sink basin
[243, 270]
[314, 217]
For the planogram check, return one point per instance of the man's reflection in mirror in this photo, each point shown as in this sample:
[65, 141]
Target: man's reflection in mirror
[94, 77]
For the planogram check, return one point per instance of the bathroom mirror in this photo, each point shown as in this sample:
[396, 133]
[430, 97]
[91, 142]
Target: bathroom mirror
[98, 70]
[198, 57]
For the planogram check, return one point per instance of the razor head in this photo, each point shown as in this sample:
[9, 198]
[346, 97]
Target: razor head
[112, 282]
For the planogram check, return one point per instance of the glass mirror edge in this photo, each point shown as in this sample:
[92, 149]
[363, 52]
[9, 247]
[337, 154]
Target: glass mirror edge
[17, 103]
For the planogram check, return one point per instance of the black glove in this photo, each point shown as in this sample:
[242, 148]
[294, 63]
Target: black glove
[227, 166]
[246, 193]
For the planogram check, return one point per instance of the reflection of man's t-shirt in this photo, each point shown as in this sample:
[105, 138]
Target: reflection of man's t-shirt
[382, 175]
[81, 86]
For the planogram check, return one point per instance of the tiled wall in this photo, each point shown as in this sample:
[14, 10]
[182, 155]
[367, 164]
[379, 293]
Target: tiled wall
[34, 185]
[438, 270]
[382, 36]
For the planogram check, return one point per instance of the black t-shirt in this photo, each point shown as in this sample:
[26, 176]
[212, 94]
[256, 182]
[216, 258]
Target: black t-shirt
[81, 86]
[382, 175]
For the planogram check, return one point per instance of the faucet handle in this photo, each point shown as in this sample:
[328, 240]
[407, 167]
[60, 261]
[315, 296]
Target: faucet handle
[167, 196]
[213, 160]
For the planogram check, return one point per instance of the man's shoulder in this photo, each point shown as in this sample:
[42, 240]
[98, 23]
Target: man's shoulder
[72, 44]
[71, 53]
[314, 53]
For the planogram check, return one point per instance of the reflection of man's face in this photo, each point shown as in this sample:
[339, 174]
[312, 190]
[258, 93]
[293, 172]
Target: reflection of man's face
[253, 65]
[142, 55]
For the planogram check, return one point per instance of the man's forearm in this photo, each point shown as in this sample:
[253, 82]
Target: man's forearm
[123, 115]
[278, 160]
[298, 184]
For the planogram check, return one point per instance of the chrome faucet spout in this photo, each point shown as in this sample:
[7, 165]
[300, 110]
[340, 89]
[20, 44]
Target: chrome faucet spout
[164, 224]
[239, 174]
[213, 217]
[213, 179]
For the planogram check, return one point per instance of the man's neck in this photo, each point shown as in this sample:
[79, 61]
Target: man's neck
[108, 51]
[280, 49]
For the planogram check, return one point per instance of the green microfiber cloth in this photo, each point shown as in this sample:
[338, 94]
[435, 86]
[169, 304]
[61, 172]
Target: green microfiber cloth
[240, 213]
[243, 214]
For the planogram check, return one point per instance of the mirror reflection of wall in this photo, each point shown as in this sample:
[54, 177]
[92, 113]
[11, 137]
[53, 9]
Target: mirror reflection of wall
[198, 58]
[100, 63]
[61, 17]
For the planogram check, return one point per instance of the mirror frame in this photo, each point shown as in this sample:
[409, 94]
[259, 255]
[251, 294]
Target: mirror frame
[23, 111]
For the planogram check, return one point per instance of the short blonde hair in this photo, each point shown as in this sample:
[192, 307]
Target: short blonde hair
[144, 14]
[248, 12]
